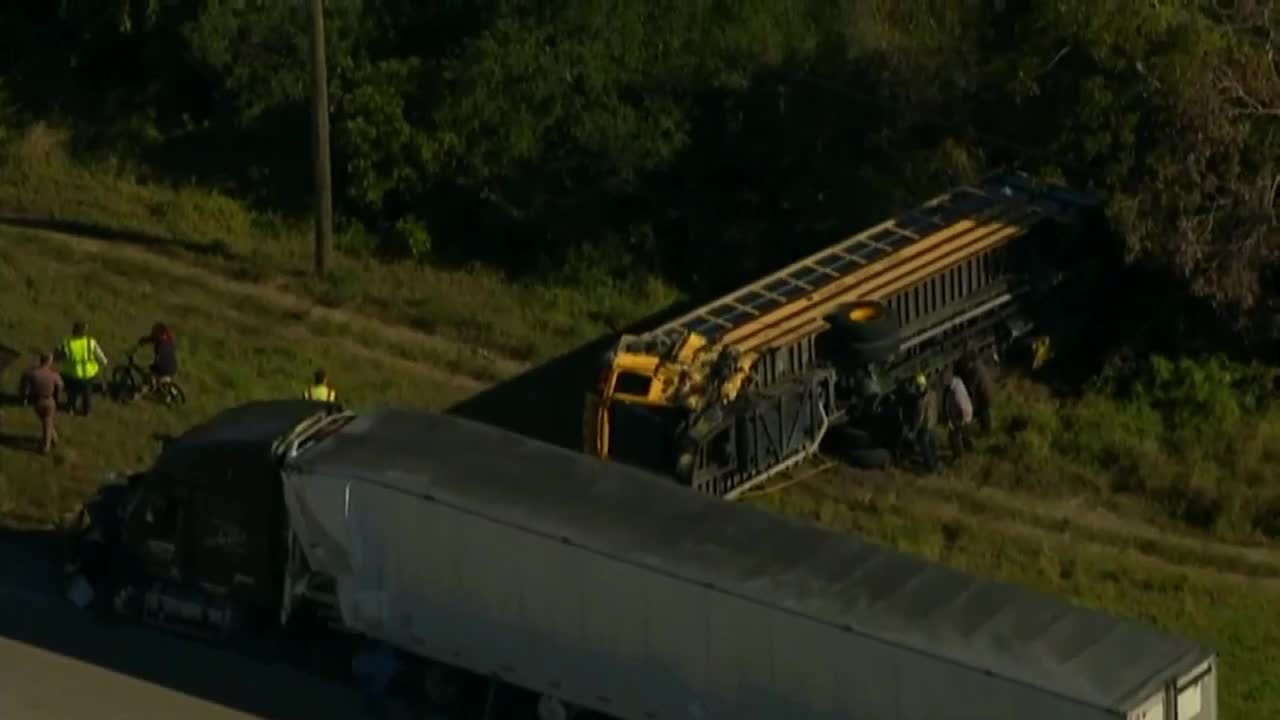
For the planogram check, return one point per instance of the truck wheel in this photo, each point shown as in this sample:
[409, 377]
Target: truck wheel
[443, 685]
[553, 708]
[87, 540]
[127, 602]
[869, 458]
[865, 322]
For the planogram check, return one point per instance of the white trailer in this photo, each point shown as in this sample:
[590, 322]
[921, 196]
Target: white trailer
[618, 591]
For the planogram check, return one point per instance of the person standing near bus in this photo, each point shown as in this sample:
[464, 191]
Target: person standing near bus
[982, 388]
[916, 417]
[957, 408]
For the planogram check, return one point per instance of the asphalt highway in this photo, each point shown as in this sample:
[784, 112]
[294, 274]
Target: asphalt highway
[59, 663]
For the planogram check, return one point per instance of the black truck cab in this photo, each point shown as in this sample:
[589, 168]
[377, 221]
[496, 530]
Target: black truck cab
[199, 540]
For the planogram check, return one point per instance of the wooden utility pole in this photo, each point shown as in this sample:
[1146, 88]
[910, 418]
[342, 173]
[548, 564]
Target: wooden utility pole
[320, 140]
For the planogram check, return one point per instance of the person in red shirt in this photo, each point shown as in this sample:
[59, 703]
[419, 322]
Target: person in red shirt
[165, 362]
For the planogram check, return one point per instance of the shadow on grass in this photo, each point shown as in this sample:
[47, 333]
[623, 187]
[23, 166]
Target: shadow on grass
[546, 402]
[162, 440]
[11, 403]
[213, 248]
[8, 356]
[21, 443]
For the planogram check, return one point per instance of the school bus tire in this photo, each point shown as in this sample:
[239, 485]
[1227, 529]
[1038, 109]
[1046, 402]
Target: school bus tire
[865, 322]
[873, 352]
[869, 458]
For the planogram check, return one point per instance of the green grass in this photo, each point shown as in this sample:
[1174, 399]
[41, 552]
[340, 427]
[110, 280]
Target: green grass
[1234, 615]
[522, 320]
[232, 349]
[1155, 495]
[1193, 445]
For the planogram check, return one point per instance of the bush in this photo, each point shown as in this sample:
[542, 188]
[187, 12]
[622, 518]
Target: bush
[1198, 439]
[411, 238]
[340, 287]
[355, 239]
[535, 318]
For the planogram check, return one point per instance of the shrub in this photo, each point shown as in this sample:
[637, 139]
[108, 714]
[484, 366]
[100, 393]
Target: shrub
[410, 238]
[1197, 439]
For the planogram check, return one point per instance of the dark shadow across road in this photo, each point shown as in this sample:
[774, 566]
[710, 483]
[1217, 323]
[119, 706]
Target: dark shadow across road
[35, 620]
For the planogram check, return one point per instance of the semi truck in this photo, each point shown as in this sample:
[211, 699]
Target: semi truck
[602, 588]
[749, 384]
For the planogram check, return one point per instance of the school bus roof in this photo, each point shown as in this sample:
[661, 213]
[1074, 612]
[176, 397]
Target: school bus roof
[875, 263]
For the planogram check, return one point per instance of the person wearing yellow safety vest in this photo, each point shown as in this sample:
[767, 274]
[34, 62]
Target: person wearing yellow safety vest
[82, 360]
[320, 390]
[916, 416]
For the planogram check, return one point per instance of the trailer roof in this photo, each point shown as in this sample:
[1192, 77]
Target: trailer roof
[839, 579]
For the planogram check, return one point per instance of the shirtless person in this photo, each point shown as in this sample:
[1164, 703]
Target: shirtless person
[41, 386]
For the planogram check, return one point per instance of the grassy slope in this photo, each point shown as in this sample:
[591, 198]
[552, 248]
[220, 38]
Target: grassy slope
[1045, 507]
[233, 349]
[1234, 614]
[524, 321]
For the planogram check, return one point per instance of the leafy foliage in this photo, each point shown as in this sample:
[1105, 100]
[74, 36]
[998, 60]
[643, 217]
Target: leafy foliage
[1196, 435]
[665, 136]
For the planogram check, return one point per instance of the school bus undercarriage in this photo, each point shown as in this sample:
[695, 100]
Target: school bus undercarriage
[750, 384]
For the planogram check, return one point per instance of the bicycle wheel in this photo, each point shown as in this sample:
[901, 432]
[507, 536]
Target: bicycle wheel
[125, 384]
[172, 394]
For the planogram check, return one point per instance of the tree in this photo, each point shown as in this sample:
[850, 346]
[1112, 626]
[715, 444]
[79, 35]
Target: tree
[320, 140]
[671, 135]
[1169, 110]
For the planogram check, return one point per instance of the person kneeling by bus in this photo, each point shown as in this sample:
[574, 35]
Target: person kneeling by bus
[982, 389]
[916, 416]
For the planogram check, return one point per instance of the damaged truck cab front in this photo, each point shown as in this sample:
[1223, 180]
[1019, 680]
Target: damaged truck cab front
[197, 542]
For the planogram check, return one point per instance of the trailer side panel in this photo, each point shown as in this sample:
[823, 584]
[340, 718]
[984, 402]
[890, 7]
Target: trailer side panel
[536, 546]
[624, 639]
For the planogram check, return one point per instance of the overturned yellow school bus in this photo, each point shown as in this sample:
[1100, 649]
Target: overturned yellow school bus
[749, 384]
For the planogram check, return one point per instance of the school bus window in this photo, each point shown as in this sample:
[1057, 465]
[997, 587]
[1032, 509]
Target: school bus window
[629, 383]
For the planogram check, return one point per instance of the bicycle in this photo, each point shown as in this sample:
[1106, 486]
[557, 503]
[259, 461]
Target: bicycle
[131, 381]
